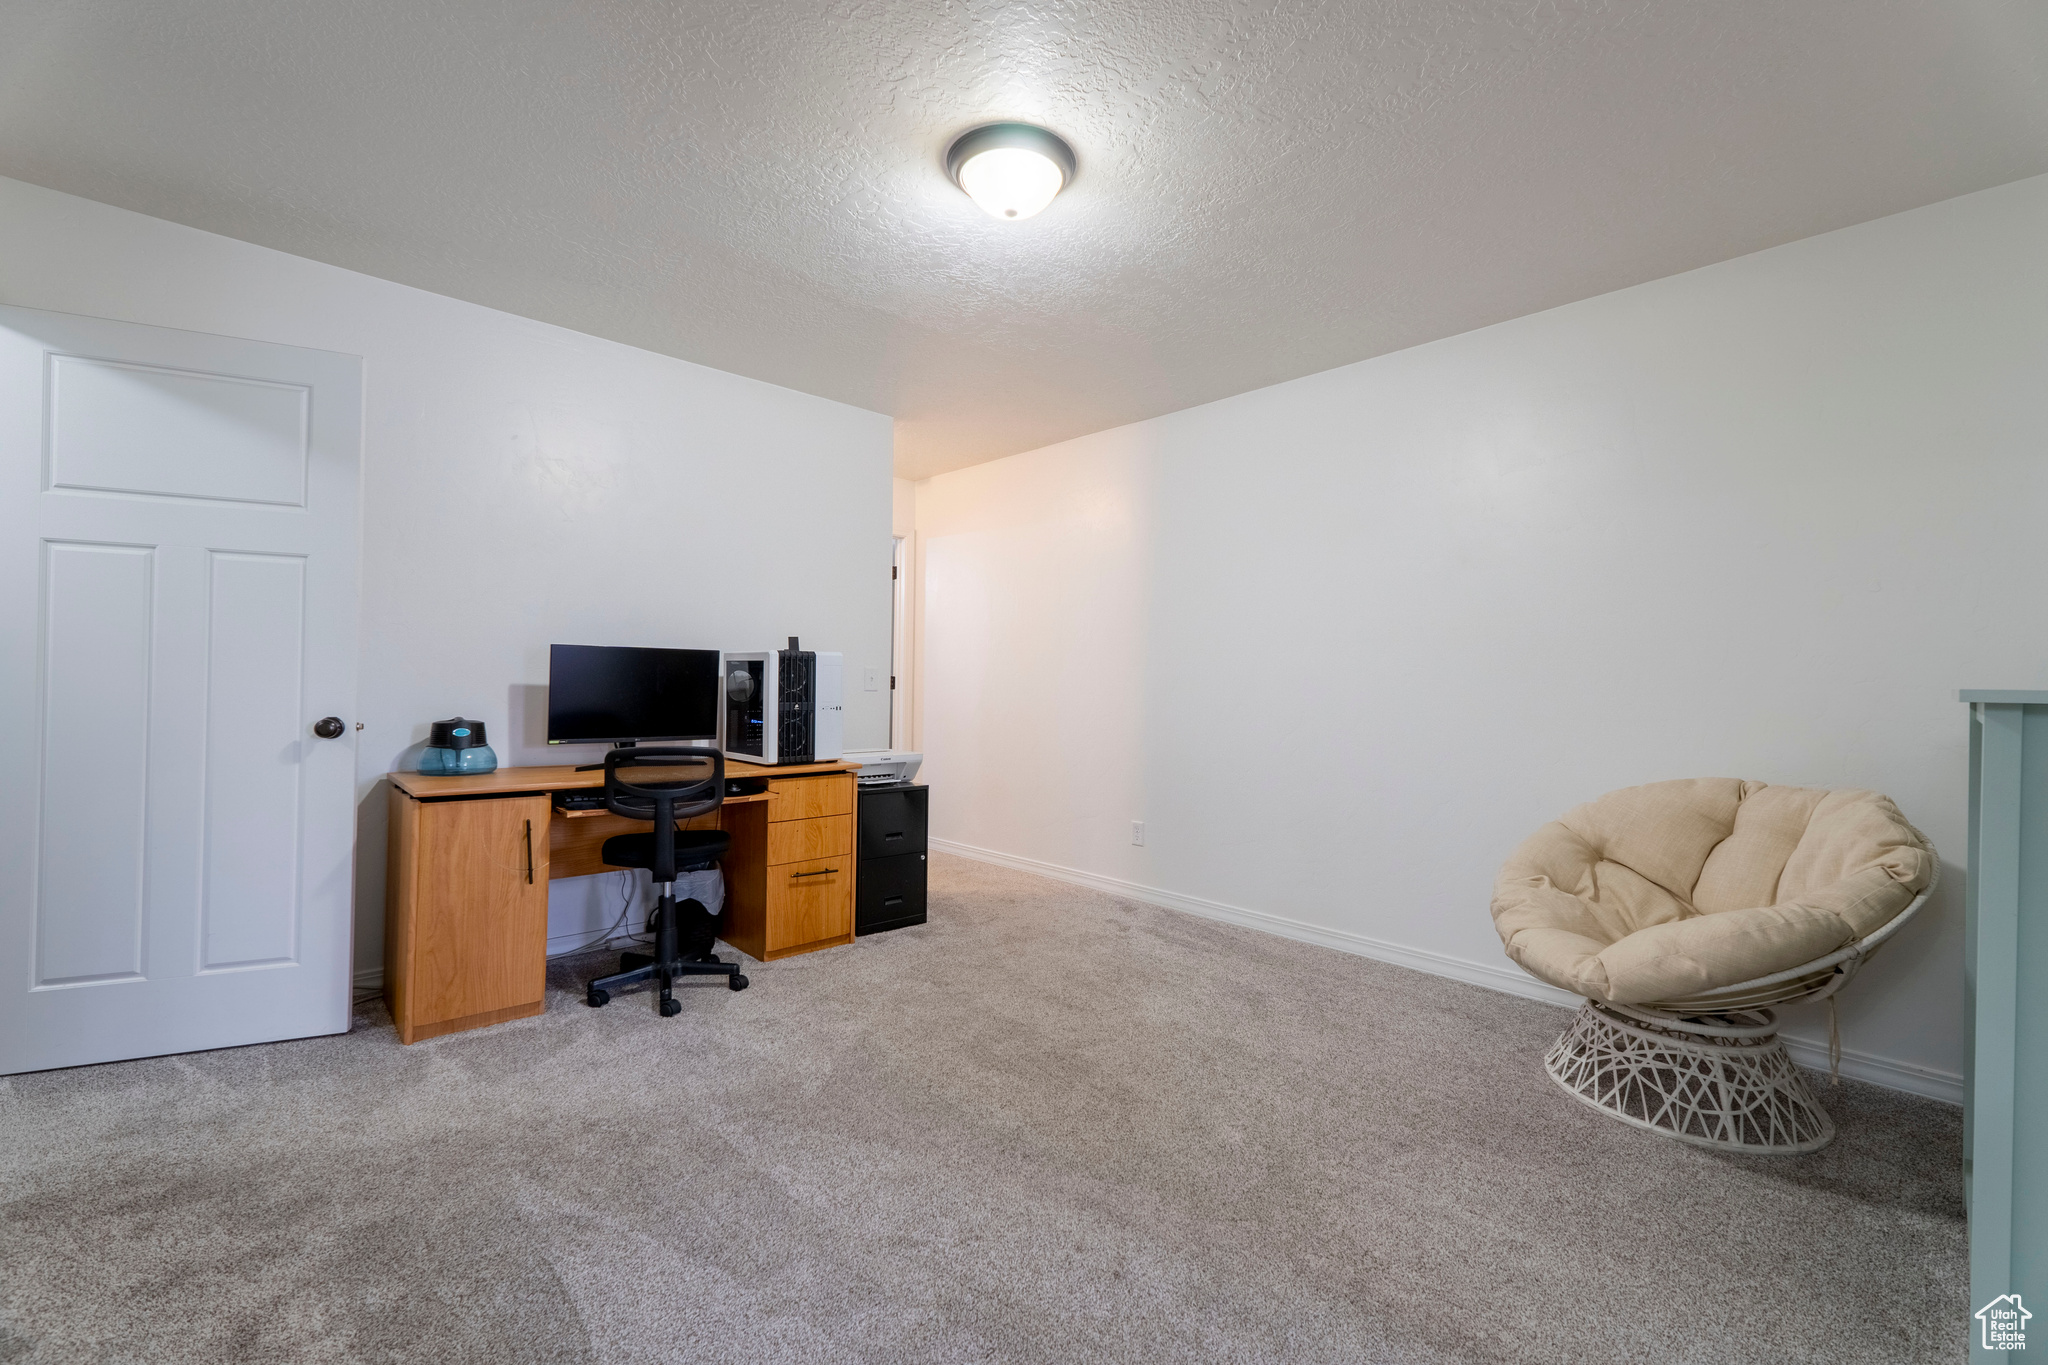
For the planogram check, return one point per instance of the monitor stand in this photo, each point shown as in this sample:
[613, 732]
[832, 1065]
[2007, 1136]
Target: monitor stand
[616, 744]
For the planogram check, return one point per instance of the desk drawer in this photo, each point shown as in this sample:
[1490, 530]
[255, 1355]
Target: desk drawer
[891, 893]
[796, 841]
[808, 902]
[892, 821]
[806, 798]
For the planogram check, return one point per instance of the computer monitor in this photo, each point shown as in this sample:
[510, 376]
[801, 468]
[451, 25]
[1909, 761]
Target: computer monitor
[607, 694]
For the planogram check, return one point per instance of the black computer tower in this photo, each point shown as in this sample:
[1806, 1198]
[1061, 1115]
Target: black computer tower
[893, 858]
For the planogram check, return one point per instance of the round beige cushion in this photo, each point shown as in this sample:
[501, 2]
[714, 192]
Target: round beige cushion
[1664, 891]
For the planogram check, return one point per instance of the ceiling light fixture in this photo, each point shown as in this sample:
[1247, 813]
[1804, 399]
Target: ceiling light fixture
[1011, 169]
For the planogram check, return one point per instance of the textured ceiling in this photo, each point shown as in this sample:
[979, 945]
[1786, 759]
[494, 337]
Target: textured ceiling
[1264, 190]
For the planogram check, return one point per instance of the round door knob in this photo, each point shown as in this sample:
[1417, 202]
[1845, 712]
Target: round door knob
[329, 728]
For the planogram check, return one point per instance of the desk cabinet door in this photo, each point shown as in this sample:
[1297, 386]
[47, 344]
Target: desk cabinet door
[809, 901]
[480, 940]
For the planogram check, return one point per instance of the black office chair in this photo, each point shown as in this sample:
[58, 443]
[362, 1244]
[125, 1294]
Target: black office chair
[683, 934]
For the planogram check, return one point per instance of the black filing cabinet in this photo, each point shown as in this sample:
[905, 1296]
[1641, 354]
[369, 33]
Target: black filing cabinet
[890, 890]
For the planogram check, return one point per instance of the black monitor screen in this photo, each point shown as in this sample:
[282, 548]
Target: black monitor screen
[600, 694]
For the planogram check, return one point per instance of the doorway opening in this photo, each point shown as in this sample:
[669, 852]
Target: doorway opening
[899, 634]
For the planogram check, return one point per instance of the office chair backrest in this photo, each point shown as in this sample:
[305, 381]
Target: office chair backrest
[679, 783]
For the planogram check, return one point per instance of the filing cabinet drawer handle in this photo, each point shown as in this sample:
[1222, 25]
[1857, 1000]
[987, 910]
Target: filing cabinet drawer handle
[529, 853]
[826, 872]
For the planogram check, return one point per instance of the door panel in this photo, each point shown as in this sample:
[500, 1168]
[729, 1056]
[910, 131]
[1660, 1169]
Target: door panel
[178, 539]
[97, 621]
[253, 688]
[119, 428]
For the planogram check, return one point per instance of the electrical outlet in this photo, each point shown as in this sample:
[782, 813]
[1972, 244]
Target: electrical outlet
[1138, 833]
[872, 680]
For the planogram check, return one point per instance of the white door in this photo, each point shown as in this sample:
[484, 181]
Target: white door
[178, 551]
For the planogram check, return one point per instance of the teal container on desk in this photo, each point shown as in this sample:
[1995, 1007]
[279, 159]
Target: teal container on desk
[457, 746]
[2005, 1013]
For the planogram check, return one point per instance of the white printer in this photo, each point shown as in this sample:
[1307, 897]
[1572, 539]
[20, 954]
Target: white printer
[884, 767]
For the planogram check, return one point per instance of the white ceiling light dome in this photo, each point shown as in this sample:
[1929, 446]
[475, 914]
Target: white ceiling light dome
[1012, 170]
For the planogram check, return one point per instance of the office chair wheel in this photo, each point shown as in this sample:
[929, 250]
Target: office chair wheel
[736, 982]
[597, 999]
[671, 1006]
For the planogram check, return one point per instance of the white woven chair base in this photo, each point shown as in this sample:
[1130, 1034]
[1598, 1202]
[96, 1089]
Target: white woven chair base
[1722, 1081]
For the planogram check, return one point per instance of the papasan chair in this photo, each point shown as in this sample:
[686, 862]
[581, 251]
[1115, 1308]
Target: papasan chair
[1682, 912]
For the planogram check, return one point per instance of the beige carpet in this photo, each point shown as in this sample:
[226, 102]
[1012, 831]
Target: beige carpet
[1047, 1126]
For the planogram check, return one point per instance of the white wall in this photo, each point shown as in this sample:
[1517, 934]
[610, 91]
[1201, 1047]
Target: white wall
[1342, 642]
[523, 484]
[902, 506]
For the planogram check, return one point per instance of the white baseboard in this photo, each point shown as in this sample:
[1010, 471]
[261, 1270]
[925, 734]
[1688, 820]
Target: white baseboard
[1946, 1086]
[370, 979]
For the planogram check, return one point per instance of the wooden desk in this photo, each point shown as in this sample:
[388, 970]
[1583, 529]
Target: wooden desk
[466, 905]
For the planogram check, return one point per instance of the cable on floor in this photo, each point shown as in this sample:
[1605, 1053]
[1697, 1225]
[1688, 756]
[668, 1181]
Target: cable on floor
[605, 936]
